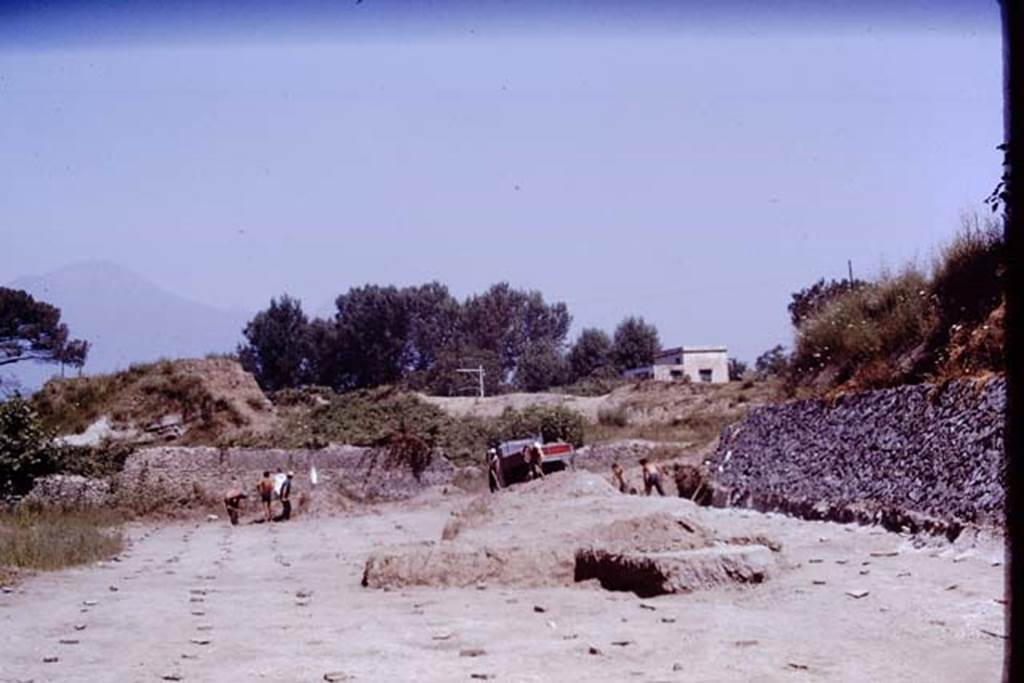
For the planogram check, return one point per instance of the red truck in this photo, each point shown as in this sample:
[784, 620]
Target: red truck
[510, 464]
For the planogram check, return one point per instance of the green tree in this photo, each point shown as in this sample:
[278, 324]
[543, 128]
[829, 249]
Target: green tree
[373, 326]
[434, 320]
[774, 362]
[590, 354]
[810, 300]
[277, 351]
[737, 369]
[31, 330]
[505, 320]
[26, 448]
[635, 343]
[541, 366]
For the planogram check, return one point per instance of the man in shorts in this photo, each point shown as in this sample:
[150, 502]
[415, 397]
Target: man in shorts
[535, 460]
[265, 488]
[652, 477]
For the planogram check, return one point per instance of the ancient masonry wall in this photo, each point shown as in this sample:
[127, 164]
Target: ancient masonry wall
[186, 475]
[916, 458]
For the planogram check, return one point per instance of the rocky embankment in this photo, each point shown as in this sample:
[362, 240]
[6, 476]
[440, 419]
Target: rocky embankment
[917, 458]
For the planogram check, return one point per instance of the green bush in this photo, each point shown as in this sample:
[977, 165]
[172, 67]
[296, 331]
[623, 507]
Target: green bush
[613, 417]
[967, 280]
[26, 448]
[870, 323]
[551, 423]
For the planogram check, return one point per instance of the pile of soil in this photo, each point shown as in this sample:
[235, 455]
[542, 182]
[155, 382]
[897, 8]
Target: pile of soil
[538, 534]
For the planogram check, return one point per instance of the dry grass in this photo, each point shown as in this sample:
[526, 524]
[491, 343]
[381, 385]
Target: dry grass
[55, 540]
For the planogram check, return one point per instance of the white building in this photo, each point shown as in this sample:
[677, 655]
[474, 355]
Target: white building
[698, 363]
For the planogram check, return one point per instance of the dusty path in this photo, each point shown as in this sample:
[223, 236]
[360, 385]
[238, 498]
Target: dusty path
[206, 602]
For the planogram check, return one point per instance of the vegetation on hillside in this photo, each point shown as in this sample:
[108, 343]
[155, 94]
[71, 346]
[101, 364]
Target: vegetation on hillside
[915, 325]
[379, 417]
[140, 395]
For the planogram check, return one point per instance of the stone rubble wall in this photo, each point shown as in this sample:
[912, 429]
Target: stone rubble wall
[167, 477]
[914, 458]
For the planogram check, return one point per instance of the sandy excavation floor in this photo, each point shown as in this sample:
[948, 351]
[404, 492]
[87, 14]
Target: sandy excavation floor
[206, 602]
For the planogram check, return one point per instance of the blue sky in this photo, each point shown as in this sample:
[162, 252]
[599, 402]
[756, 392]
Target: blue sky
[689, 166]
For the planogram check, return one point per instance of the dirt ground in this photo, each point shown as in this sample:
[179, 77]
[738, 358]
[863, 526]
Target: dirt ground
[203, 601]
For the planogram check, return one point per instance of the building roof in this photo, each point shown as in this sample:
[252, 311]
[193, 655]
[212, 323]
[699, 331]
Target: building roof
[691, 349]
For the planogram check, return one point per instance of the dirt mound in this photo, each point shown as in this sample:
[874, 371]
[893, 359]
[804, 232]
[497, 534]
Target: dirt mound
[542, 533]
[650, 574]
[464, 565]
[657, 532]
[180, 402]
[571, 485]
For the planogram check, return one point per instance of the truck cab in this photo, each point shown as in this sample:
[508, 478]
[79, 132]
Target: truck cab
[511, 467]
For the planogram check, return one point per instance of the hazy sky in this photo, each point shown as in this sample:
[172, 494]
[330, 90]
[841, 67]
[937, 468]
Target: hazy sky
[691, 167]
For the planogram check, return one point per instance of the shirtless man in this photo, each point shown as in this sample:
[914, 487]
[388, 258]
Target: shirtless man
[233, 503]
[493, 476]
[265, 488]
[619, 478]
[534, 456]
[652, 477]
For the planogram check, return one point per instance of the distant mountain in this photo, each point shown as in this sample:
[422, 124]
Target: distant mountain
[126, 318]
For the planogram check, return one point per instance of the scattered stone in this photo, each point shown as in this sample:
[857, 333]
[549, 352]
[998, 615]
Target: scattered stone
[196, 600]
[539, 609]
[304, 594]
[204, 627]
[677, 667]
[815, 560]
[797, 667]
[171, 677]
[50, 660]
[840, 561]
[746, 643]
[903, 575]
[6, 589]
[650, 607]
[79, 627]
[472, 652]
[1001, 601]
[889, 553]
[90, 603]
[480, 677]
[668, 620]
[819, 582]
[197, 591]
[864, 572]
[952, 587]
[442, 636]
[199, 641]
[858, 594]
[571, 636]
[188, 656]
[593, 650]
[622, 643]
[198, 613]
[69, 641]
[937, 622]
[212, 518]
[334, 676]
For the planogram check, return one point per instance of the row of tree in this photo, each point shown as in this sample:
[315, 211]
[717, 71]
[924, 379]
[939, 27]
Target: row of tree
[421, 336]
